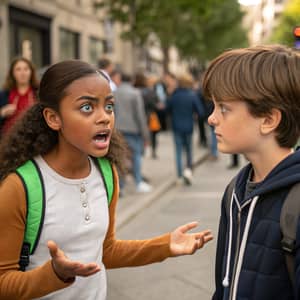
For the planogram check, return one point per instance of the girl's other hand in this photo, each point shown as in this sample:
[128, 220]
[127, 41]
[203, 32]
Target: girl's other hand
[183, 243]
[65, 268]
[8, 110]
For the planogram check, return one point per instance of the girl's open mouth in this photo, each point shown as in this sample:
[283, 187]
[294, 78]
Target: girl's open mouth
[101, 140]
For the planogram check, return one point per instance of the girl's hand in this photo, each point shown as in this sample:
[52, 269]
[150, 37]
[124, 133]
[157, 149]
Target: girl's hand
[67, 269]
[183, 243]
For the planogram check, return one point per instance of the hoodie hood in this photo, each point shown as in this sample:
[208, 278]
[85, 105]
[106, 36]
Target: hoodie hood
[286, 173]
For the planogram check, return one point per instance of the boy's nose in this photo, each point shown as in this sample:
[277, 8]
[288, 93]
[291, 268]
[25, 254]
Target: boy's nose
[211, 119]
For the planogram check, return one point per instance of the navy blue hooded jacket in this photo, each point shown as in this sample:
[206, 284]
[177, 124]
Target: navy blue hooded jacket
[250, 263]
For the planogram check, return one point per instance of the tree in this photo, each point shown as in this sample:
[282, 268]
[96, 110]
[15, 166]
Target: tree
[198, 29]
[290, 18]
[214, 28]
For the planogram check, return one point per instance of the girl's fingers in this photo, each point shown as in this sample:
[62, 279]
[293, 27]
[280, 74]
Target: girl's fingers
[87, 269]
[206, 238]
[53, 249]
[186, 227]
[203, 233]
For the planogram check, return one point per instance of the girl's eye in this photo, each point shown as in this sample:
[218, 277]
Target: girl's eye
[86, 108]
[109, 107]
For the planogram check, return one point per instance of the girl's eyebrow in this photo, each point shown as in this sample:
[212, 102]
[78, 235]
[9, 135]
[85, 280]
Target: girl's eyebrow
[109, 97]
[94, 99]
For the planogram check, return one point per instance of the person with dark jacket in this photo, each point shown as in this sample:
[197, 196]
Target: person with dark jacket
[151, 106]
[257, 112]
[182, 105]
[235, 161]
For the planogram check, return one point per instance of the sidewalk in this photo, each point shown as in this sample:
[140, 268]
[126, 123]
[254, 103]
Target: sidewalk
[161, 173]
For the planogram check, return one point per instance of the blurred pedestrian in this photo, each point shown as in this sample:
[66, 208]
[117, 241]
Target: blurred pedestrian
[257, 111]
[202, 122]
[235, 161]
[72, 123]
[164, 88]
[115, 76]
[19, 92]
[145, 85]
[161, 93]
[213, 147]
[182, 105]
[131, 121]
[204, 139]
[107, 67]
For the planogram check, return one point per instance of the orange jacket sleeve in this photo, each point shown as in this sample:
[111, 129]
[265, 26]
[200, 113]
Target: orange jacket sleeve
[15, 284]
[129, 253]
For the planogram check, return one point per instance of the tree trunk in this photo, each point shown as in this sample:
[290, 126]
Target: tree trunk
[166, 60]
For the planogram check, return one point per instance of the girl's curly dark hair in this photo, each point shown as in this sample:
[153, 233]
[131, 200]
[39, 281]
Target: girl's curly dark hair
[31, 136]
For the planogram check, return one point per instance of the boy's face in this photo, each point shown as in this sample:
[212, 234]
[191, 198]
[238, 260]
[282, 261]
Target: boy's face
[237, 131]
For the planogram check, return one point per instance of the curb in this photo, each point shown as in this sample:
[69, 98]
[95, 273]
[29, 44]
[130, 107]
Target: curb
[129, 213]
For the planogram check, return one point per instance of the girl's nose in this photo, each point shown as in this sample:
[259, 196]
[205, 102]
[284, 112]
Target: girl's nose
[102, 117]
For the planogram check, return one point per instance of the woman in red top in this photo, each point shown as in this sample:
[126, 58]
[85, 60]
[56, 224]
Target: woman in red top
[19, 92]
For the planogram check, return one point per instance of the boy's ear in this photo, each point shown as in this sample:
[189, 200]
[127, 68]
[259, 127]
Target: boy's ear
[52, 118]
[271, 121]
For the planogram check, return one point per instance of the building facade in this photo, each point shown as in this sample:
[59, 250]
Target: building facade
[261, 18]
[48, 31]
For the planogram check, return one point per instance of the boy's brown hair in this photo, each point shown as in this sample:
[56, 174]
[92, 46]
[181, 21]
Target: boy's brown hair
[264, 77]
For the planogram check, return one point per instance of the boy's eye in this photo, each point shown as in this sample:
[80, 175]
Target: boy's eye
[86, 108]
[223, 108]
[109, 107]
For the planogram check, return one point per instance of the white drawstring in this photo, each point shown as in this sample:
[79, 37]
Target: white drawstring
[243, 246]
[226, 278]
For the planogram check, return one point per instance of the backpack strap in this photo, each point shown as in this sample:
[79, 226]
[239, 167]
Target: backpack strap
[105, 169]
[32, 180]
[34, 188]
[289, 217]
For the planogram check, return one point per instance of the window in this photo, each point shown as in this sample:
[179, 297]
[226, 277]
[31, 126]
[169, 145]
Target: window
[96, 49]
[69, 44]
[29, 36]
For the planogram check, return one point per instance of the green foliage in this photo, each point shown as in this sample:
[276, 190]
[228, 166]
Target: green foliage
[198, 29]
[290, 18]
[217, 29]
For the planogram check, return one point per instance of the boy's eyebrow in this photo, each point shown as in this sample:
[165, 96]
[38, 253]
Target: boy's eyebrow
[95, 99]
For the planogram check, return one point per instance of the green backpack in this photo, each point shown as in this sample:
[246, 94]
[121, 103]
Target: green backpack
[289, 217]
[32, 179]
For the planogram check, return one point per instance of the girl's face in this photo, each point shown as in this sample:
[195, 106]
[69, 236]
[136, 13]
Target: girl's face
[86, 116]
[22, 73]
[237, 131]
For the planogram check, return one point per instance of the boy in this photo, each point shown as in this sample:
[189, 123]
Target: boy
[256, 93]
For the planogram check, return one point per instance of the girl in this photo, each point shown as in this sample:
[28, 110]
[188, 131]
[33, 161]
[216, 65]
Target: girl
[72, 122]
[18, 92]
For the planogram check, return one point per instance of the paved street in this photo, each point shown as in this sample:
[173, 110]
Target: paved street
[188, 277]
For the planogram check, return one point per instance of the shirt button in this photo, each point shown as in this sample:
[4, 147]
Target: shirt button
[84, 204]
[82, 189]
[87, 218]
